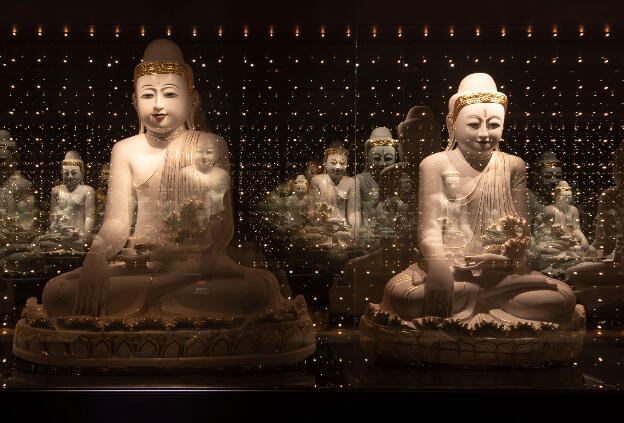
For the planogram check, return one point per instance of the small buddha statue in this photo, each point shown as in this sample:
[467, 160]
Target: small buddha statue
[598, 280]
[460, 303]
[395, 208]
[549, 173]
[335, 194]
[19, 216]
[168, 295]
[72, 205]
[559, 239]
[299, 205]
[380, 151]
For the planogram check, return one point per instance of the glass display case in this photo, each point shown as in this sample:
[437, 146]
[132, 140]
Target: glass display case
[341, 156]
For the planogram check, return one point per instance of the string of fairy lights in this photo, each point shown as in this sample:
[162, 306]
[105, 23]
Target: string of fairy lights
[278, 95]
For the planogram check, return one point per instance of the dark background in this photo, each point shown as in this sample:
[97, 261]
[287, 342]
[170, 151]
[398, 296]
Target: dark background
[71, 86]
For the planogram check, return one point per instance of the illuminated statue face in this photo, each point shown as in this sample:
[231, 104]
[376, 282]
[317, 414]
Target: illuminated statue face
[72, 176]
[380, 157]
[301, 187]
[479, 127]
[564, 197]
[451, 183]
[163, 102]
[205, 156]
[550, 177]
[336, 166]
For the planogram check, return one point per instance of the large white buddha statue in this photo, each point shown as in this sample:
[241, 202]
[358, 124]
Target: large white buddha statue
[559, 240]
[19, 217]
[380, 150]
[599, 281]
[167, 296]
[474, 301]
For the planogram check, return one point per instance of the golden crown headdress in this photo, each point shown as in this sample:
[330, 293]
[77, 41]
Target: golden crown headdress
[161, 68]
[478, 97]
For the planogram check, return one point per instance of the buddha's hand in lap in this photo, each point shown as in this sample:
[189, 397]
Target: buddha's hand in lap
[93, 286]
[439, 286]
[487, 261]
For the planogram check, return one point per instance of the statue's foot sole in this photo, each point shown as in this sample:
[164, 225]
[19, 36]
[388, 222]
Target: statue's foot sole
[276, 344]
[432, 345]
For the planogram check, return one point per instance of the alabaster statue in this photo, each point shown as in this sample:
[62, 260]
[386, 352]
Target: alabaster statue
[299, 205]
[380, 151]
[167, 296]
[72, 204]
[598, 280]
[474, 301]
[548, 173]
[559, 242]
[336, 217]
[62, 247]
[18, 212]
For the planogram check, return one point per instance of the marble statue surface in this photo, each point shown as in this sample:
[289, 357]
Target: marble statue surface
[470, 286]
[169, 295]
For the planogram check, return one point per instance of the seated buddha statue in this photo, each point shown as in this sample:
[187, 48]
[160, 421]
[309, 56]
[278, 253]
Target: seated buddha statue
[380, 151]
[599, 281]
[299, 205]
[72, 205]
[461, 302]
[559, 241]
[336, 217]
[167, 296]
[19, 217]
[61, 248]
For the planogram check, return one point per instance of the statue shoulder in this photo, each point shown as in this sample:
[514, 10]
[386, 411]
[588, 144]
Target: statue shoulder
[516, 163]
[440, 160]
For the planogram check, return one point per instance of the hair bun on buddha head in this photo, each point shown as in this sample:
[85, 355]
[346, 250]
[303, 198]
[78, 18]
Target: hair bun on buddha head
[475, 88]
[72, 158]
[161, 57]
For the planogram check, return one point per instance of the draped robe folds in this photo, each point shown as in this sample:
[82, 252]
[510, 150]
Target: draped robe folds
[176, 286]
[337, 197]
[489, 202]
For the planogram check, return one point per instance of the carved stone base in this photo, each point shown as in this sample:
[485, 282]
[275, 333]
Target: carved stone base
[270, 343]
[444, 342]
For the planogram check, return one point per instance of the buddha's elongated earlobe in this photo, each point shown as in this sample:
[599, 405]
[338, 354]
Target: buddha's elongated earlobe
[136, 109]
[190, 122]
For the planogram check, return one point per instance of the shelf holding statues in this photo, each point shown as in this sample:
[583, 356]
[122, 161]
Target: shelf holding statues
[168, 295]
[474, 302]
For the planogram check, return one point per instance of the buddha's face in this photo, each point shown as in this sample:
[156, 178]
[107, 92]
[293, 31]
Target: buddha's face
[479, 127]
[405, 185]
[336, 166]
[72, 176]
[205, 156]
[301, 187]
[451, 183]
[550, 177]
[380, 157]
[163, 102]
[564, 197]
